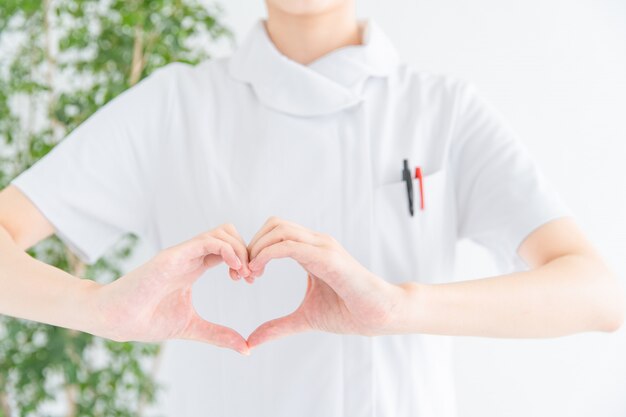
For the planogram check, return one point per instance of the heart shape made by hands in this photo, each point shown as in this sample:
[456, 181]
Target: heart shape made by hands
[341, 295]
[277, 293]
[157, 301]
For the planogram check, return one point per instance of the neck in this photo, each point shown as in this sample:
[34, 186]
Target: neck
[305, 38]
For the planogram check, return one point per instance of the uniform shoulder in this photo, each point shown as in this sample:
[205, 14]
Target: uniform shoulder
[183, 69]
[435, 82]
[183, 73]
[176, 70]
[446, 91]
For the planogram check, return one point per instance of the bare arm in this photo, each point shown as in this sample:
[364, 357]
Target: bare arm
[568, 289]
[151, 303]
[29, 288]
[34, 290]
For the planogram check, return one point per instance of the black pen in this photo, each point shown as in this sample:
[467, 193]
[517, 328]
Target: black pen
[406, 176]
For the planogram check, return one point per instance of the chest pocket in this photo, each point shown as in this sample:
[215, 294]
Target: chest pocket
[413, 248]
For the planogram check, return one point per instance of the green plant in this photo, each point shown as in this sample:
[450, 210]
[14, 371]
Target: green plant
[61, 60]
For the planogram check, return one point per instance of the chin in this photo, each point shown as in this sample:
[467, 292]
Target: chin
[305, 7]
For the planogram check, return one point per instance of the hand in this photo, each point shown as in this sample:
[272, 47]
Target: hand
[153, 302]
[342, 296]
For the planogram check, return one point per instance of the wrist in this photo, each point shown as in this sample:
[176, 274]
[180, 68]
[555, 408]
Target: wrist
[405, 312]
[83, 305]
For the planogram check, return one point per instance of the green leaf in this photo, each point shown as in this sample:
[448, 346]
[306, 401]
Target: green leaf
[93, 57]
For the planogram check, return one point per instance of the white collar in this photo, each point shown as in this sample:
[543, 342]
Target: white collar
[329, 84]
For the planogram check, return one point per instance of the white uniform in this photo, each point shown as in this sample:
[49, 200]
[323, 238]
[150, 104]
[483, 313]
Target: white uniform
[256, 134]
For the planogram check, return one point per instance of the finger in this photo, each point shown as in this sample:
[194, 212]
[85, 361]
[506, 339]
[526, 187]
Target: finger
[226, 233]
[269, 224]
[229, 256]
[207, 247]
[303, 253]
[204, 331]
[275, 329]
[250, 278]
[240, 250]
[280, 233]
[233, 274]
[230, 234]
[255, 274]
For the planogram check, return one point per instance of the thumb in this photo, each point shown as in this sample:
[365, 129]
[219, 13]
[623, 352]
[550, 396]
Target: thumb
[222, 336]
[274, 329]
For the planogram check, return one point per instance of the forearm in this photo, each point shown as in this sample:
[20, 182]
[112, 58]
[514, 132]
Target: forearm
[567, 295]
[33, 290]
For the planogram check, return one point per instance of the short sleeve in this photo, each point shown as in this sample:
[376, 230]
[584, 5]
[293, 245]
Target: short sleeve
[95, 186]
[501, 194]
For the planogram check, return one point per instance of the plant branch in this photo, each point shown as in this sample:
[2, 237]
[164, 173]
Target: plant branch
[156, 364]
[4, 405]
[70, 392]
[76, 267]
[51, 65]
[136, 67]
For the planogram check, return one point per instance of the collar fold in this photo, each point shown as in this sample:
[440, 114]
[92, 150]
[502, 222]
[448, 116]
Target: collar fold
[331, 83]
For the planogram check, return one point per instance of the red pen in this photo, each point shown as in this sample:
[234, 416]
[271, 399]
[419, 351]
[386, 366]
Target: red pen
[418, 175]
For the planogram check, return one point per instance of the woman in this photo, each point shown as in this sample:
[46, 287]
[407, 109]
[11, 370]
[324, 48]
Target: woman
[297, 142]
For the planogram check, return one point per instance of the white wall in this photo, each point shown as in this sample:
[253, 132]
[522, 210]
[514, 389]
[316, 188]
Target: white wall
[557, 70]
